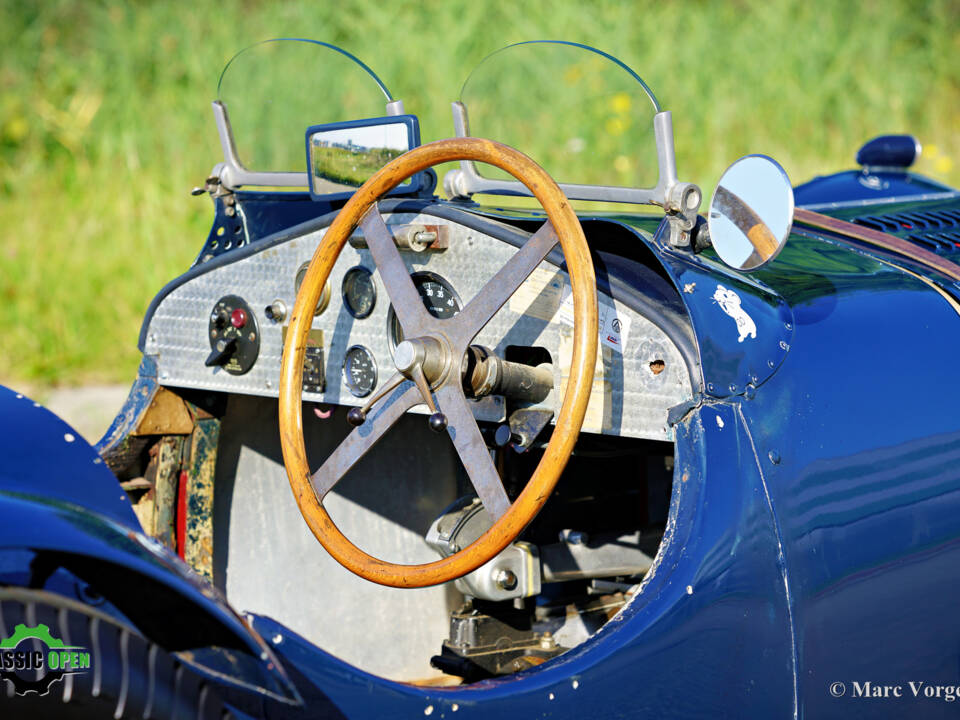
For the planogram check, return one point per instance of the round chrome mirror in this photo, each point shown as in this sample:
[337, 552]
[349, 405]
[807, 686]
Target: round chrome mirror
[751, 212]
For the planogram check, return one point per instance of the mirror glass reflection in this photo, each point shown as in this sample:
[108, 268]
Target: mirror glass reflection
[342, 159]
[751, 212]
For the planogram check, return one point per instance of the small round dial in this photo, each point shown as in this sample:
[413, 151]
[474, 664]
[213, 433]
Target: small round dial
[359, 292]
[324, 294]
[439, 298]
[359, 371]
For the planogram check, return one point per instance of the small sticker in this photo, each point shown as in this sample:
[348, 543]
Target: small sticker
[729, 302]
[612, 327]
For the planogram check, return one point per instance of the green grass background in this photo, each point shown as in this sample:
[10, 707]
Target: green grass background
[105, 120]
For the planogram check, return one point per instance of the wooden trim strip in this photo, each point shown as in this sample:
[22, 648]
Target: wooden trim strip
[879, 239]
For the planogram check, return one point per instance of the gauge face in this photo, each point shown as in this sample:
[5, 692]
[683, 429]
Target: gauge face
[324, 294]
[359, 371]
[359, 292]
[438, 297]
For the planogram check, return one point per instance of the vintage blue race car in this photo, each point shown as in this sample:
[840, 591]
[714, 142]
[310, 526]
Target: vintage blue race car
[639, 459]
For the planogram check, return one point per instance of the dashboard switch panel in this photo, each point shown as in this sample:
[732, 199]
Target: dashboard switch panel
[234, 336]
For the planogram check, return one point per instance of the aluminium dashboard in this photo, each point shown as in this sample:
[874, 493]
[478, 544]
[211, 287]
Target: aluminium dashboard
[640, 372]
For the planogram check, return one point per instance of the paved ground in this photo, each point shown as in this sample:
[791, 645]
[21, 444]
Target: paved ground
[89, 409]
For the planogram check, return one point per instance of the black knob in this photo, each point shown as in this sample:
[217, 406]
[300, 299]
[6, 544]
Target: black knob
[356, 417]
[438, 422]
[219, 318]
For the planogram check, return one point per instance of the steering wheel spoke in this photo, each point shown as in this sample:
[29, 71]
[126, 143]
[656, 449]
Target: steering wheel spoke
[359, 442]
[501, 286]
[473, 452]
[413, 316]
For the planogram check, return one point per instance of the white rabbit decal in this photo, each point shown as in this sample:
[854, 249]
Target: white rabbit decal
[729, 302]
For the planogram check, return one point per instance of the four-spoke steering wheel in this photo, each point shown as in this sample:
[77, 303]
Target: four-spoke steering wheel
[429, 361]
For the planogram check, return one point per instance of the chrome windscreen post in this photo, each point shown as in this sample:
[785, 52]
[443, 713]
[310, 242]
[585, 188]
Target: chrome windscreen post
[680, 200]
[233, 174]
[455, 183]
[666, 154]
[231, 161]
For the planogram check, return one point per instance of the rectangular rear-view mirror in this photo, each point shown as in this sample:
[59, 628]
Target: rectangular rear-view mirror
[342, 156]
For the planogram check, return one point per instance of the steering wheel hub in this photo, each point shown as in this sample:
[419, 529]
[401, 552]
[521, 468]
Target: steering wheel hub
[430, 354]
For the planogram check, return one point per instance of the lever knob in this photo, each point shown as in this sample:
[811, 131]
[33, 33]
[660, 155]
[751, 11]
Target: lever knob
[222, 352]
[438, 422]
[356, 417]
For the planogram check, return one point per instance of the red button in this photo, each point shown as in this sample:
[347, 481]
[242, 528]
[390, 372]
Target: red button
[238, 318]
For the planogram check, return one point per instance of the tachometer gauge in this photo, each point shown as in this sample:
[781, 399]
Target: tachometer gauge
[439, 298]
[359, 371]
[359, 292]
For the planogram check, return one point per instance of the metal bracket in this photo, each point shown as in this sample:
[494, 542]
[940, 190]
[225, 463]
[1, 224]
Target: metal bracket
[217, 190]
[414, 237]
[526, 424]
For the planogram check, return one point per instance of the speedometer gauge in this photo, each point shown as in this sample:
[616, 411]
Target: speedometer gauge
[359, 371]
[359, 292]
[439, 298]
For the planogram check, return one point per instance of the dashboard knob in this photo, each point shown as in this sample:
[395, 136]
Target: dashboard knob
[219, 318]
[276, 311]
[238, 318]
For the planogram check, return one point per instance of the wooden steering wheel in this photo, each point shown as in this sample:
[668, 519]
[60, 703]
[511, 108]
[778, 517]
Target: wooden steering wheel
[430, 360]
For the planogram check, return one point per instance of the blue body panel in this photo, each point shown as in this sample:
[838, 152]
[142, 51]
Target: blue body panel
[858, 185]
[862, 416]
[42, 455]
